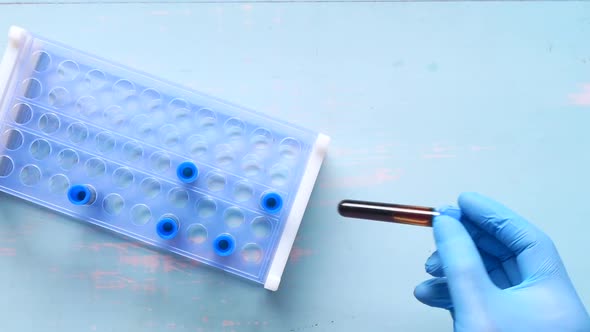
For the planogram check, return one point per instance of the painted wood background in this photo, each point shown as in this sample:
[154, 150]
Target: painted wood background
[423, 100]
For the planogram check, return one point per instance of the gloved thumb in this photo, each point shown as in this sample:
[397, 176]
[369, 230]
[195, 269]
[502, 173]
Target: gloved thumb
[466, 275]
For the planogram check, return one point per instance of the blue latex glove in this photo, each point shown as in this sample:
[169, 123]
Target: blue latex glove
[494, 271]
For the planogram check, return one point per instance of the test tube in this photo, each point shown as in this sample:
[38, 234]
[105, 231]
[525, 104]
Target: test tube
[82, 194]
[224, 245]
[271, 202]
[168, 226]
[396, 213]
[187, 172]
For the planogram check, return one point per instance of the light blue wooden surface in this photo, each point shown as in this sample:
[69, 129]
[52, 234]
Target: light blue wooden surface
[422, 100]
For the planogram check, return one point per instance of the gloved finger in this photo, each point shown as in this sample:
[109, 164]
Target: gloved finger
[493, 266]
[434, 265]
[451, 211]
[435, 293]
[512, 271]
[482, 239]
[533, 248]
[462, 264]
[490, 245]
[486, 242]
[495, 270]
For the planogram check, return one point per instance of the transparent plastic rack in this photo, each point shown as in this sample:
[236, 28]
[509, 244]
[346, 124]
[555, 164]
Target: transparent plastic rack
[161, 164]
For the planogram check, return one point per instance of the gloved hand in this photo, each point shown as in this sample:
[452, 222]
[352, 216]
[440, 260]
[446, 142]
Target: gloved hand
[494, 271]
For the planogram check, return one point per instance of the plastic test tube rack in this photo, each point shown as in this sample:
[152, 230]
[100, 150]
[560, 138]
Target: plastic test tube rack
[163, 165]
